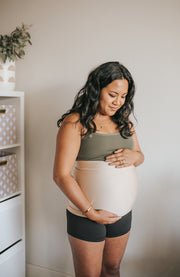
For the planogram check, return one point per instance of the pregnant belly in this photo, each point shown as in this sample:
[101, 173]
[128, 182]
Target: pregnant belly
[106, 187]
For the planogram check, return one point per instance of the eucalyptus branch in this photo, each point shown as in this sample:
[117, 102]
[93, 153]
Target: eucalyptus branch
[12, 45]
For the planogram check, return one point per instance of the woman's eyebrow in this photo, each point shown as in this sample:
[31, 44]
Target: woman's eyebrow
[114, 91]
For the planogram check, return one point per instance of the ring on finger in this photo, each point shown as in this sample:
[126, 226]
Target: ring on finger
[123, 161]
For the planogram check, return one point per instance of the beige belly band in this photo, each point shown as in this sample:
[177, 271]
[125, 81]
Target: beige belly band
[106, 187]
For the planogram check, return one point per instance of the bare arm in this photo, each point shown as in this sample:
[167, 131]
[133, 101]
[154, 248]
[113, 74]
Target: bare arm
[67, 148]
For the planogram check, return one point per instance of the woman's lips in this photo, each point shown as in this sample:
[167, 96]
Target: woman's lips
[113, 108]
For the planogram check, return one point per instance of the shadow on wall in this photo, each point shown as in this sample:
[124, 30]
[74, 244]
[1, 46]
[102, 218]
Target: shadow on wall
[151, 267]
[46, 204]
[157, 227]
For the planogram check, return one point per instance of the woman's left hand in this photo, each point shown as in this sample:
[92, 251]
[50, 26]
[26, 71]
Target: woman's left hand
[122, 158]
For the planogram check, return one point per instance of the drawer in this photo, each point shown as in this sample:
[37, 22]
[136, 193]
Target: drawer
[12, 261]
[11, 222]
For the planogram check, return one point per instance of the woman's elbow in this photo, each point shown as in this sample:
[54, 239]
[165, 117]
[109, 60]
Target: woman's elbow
[141, 160]
[57, 179]
[142, 157]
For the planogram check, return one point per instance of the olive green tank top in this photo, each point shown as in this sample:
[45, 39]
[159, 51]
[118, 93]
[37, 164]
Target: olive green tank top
[96, 146]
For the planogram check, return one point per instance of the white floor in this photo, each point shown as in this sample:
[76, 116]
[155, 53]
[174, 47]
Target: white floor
[138, 268]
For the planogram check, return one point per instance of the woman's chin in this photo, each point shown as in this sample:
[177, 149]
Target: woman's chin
[112, 112]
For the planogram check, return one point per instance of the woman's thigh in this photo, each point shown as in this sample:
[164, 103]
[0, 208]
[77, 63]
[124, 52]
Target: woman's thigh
[87, 257]
[114, 250]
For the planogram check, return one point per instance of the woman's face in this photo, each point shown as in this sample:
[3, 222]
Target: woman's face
[113, 97]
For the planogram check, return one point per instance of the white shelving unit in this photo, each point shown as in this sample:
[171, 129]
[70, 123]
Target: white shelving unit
[12, 207]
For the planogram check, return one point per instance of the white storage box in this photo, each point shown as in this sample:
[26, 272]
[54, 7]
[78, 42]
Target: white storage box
[7, 124]
[8, 174]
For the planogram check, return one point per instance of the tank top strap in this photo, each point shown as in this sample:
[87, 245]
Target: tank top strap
[87, 134]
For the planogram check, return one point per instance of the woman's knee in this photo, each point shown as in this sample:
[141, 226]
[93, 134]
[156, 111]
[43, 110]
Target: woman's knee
[111, 269]
[87, 272]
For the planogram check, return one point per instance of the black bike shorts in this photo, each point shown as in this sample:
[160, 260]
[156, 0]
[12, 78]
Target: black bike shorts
[85, 229]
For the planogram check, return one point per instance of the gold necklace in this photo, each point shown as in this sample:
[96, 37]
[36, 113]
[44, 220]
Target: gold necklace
[101, 126]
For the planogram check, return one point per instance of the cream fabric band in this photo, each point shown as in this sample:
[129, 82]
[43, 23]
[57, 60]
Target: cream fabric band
[106, 187]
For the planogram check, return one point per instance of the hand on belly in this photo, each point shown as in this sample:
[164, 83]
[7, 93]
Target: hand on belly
[121, 158]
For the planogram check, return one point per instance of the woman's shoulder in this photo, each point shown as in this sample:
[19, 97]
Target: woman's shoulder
[72, 118]
[72, 121]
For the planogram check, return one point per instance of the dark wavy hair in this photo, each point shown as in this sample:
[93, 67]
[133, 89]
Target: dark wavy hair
[86, 102]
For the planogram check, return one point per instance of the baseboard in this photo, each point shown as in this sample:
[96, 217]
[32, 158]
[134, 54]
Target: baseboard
[38, 271]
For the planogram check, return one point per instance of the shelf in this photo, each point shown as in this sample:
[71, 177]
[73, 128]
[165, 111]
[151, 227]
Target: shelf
[12, 207]
[11, 94]
[10, 146]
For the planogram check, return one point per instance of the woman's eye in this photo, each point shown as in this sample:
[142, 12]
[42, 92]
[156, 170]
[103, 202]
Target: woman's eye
[112, 95]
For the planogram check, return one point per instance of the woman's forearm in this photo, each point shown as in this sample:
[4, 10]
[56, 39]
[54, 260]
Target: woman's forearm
[72, 190]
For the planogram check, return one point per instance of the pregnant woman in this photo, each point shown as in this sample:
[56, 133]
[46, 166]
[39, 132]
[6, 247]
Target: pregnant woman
[96, 154]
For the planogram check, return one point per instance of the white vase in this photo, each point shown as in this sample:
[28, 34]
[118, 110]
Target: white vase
[7, 75]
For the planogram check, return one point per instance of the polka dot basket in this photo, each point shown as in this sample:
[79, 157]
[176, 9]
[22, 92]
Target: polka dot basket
[7, 125]
[8, 174]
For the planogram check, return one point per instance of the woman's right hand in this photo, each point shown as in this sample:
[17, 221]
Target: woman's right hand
[102, 216]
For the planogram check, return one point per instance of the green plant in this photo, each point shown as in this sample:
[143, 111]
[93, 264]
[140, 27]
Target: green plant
[11, 46]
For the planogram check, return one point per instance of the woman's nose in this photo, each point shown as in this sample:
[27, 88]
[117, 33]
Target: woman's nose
[117, 101]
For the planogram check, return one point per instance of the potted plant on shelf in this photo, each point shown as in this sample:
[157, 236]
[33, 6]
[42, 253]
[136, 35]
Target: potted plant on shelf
[11, 49]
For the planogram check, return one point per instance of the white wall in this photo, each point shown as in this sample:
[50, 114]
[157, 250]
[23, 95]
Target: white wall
[69, 39]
